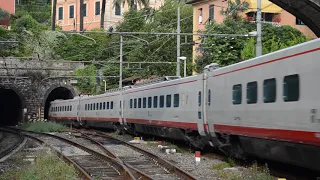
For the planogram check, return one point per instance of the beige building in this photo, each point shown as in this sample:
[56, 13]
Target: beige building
[68, 13]
[205, 11]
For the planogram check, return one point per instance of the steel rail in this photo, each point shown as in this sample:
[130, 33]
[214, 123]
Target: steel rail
[140, 175]
[81, 172]
[183, 174]
[126, 172]
[9, 149]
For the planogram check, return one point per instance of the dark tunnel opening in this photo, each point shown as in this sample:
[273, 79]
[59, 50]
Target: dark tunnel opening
[10, 107]
[57, 93]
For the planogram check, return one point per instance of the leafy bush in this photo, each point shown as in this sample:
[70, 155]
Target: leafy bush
[43, 127]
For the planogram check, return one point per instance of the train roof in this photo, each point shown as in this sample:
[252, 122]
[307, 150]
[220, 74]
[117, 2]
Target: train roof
[171, 79]
[270, 56]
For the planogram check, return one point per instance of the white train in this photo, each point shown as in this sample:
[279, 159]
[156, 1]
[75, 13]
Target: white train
[266, 107]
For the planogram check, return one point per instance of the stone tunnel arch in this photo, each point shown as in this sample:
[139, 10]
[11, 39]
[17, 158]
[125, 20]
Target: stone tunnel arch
[56, 92]
[12, 104]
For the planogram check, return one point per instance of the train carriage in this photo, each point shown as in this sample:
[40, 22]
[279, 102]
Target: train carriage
[266, 107]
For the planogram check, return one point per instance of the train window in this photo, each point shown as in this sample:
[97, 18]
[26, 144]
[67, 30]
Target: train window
[104, 105]
[199, 98]
[209, 97]
[67, 108]
[168, 100]
[139, 103]
[144, 102]
[252, 92]
[94, 106]
[111, 105]
[70, 108]
[155, 101]
[161, 101]
[149, 102]
[130, 103]
[237, 94]
[176, 100]
[135, 103]
[100, 106]
[91, 107]
[85, 107]
[291, 89]
[269, 90]
[108, 105]
[97, 106]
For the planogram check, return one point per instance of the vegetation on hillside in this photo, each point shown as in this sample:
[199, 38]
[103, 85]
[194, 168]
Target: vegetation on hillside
[31, 28]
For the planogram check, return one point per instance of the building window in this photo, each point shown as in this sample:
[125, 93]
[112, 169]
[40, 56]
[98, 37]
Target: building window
[211, 13]
[161, 101]
[291, 88]
[200, 15]
[71, 11]
[149, 102]
[252, 92]
[60, 17]
[237, 94]
[299, 22]
[269, 90]
[97, 10]
[267, 17]
[155, 101]
[144, 102]
[176, 100]
[117, 9]
[84, 9]
[168, 100]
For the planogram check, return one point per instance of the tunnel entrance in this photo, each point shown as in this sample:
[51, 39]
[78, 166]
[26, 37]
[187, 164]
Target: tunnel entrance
[10, 107]
[57, 93]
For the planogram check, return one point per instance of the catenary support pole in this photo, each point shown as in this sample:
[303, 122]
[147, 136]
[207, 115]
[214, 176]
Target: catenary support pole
[178, 43]
[259, 34]
[120, 75]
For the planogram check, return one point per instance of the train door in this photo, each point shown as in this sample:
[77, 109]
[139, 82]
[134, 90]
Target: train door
[200, 113]
[79, 110]
[121, 111]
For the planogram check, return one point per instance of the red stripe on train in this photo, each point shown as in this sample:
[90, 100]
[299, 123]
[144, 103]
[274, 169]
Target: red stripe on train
[303, 137]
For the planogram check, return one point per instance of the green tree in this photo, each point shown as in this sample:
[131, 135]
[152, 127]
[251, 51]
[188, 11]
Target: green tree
[235, 8]
[230, 50]
[132, 3]
[4, 14]
[85, 84]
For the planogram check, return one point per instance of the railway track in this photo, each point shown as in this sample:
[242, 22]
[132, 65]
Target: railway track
[10, 142]
[134, 157]
[89, 163]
